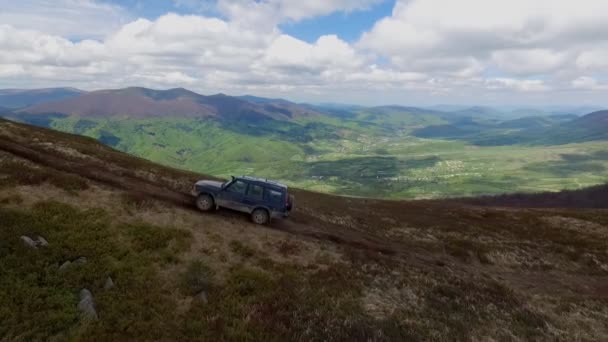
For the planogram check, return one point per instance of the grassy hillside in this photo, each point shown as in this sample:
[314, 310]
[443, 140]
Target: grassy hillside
[339, 269]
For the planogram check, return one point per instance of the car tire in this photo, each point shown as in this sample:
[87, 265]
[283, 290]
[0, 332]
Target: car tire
[204, 202]
[260, 216]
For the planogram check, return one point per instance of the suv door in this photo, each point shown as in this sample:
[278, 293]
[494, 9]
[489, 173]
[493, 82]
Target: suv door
[254, 197]
[232, 196]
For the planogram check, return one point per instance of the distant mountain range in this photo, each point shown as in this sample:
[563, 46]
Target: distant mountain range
[514, 112]
[141, 100]
[179, 102]
[19, 98]
[478, 125]
[547, 130]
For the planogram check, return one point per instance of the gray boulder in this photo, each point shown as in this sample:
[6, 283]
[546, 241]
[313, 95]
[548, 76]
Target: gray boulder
[202, 297]
[109, 284]
[65, 265]
[80, 261]
[28, 241]
[77, 262]
[86, 306]
[40, 241]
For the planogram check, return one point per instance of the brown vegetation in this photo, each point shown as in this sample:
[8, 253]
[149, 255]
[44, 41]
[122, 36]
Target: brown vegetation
[592, 197]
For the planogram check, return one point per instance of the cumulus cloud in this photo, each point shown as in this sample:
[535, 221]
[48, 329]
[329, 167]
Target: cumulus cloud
[424, 47]
[529, 61]
[468, 37]
[11, 70]
[175, 50]
[35, 48]
[516, 84]
[588, 83]
[177, 41]
[272, 12]
[328, 53]
[594, 58]
[66, 18]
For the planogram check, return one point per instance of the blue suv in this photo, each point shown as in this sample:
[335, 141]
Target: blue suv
[261, 198]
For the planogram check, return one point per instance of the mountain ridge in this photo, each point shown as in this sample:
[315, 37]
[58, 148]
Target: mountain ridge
[139, 102]
[19, 98]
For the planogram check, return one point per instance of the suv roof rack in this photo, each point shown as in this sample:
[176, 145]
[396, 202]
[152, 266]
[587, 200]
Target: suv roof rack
[263, 180]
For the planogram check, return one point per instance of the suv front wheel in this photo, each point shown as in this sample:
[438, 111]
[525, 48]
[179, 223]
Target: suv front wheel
[260, 216]
[204, 202]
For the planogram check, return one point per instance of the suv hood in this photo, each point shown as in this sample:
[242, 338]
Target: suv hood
[211, 184]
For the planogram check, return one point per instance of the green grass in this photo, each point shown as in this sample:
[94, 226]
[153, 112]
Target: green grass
[198, 277]
[39, 302]
[270, 302]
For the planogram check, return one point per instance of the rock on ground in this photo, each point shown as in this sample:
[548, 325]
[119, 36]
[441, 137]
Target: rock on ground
[40, 241]
[28, 241]
[109, 284]
[65, 265]
[86, 306]
[202, 296]
[80, 261]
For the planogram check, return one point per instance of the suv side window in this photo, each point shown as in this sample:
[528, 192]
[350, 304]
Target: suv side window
[237, 187]
[255, 192]
[273, 196]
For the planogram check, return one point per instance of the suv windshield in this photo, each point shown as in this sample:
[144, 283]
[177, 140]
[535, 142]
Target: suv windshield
[237, 186]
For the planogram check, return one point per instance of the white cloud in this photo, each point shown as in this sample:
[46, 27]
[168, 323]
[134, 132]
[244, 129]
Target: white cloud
[175, 50]
[329, 52]
[167, 78]
[67, 18]
[32, 47]
[517, 37]
[265, 12]
[588, 83]
[529, 61]
[516, 84]
[426, 48]
[11, 70]
[594, 58]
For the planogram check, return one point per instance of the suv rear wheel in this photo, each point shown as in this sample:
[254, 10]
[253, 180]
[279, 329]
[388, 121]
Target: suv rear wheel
[204, 202]
[260, 216]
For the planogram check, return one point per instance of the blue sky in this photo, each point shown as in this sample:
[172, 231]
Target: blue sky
[347, 25]
[410, 52]
[152, 9]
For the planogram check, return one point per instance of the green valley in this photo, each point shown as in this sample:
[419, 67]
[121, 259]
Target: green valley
[350, 157]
